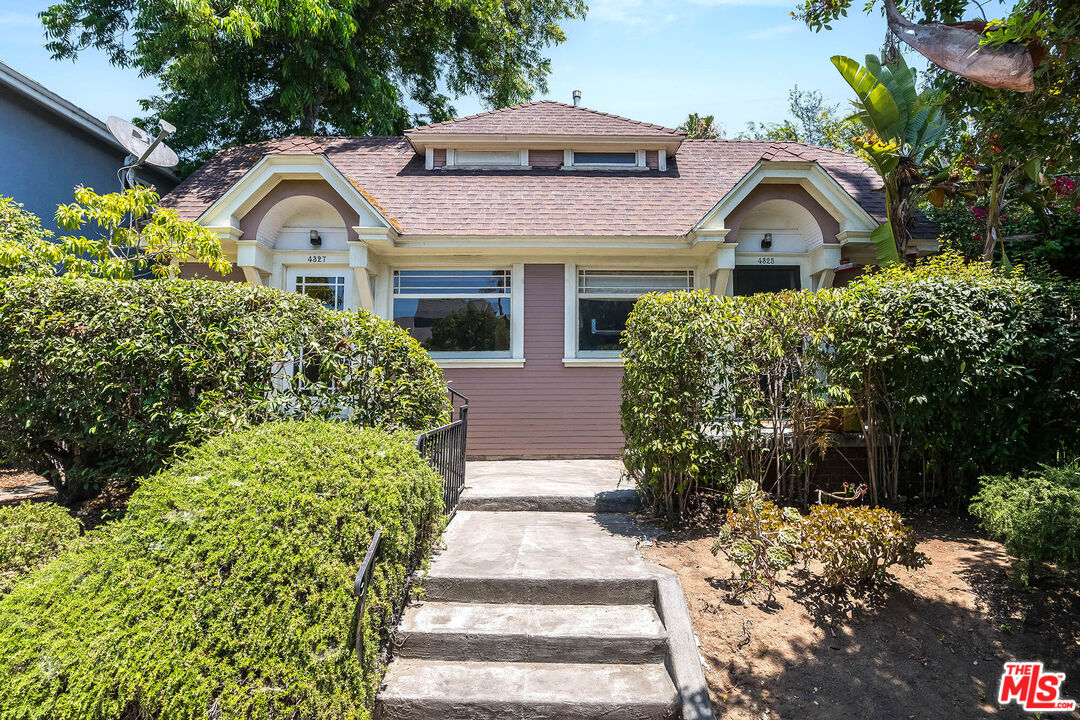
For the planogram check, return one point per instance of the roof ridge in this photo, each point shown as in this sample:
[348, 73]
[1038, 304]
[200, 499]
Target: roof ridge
[509, 108]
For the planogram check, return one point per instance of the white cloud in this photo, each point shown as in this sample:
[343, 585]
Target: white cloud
[773, 31]
[621, 11]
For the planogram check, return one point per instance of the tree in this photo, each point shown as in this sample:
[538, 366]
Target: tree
[701, 127]
[24, 244]
[812, 121]
[903, 127]
[128, 234]
[237, 72]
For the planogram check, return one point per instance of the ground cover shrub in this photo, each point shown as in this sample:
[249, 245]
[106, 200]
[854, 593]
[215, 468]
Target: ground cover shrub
[853, 546]
[759, 538]
[32, 534]
[106, 378]
[1036, 515]
[225, 590]
[856, 545]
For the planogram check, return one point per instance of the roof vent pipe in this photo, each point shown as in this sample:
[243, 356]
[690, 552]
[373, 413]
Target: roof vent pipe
[577, 97]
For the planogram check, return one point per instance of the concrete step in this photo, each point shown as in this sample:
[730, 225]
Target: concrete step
[430, 690]
[548, 486]
[546, 558]
[532, 633]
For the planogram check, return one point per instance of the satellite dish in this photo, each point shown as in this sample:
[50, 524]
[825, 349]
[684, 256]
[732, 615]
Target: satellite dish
[143, 148]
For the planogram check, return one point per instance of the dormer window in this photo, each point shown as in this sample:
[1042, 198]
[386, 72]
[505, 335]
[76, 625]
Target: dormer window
[605, 158]
[479, 159]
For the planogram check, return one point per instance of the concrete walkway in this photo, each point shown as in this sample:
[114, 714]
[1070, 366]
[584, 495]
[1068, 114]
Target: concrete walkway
[540, 606]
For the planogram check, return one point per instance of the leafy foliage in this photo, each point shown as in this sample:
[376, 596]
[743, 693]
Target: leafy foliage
[953, 368]
[812, 121]
[1036, 515]
[225, 590]
[32, 534]
[701, 127]
[233, 73]
[760, 539]
[107, 377]
[128, 234]
[24, 244]
[853, 547]
[857, 545]
[903, 129]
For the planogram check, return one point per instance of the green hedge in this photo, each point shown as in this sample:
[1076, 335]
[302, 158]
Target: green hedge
[32, 534]
[1036, 515]
[105, 378]
[954, 369]
[225, 590]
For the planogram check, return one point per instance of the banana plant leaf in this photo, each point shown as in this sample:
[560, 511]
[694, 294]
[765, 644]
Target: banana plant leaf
[884, 245]
[874, 98]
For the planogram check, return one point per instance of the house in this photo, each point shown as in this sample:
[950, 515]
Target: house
[513, 243]
[50, 146]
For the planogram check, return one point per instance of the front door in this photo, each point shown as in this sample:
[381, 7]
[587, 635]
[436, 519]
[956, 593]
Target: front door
[328, 285]
[752, 279]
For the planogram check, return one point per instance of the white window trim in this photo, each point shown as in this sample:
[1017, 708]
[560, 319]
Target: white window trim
[452, 161]
[475, 359]
[572, 356]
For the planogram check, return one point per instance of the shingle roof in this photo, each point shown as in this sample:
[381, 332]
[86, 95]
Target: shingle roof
[545, 117]
[534, 202]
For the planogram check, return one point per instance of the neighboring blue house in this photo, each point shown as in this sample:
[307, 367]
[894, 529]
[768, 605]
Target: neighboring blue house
[48, 146]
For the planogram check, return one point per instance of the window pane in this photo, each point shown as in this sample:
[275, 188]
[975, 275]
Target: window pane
[327, 289]
[633, 282]
[751, 280]
[605, 158]
[601, 322]
[442, 282]
[456, 324]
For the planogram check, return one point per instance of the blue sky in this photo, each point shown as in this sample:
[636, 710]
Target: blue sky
[652, 60]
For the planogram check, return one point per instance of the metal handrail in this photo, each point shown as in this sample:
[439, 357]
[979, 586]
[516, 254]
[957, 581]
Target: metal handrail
[360, 587]
[444, 448]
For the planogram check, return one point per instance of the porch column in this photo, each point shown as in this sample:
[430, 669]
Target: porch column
[719, 267]
[365, 267]
[824, 260]
[255, 259]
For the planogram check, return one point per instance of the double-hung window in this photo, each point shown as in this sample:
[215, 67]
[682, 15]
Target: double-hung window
[455, 311]
[606, 297]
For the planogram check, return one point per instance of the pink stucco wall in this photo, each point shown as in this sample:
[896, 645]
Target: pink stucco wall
[249, 224]
[543, 409]
[796, 194]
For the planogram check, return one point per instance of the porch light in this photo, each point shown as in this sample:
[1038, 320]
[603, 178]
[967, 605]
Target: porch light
[316, 241]
[766, 242]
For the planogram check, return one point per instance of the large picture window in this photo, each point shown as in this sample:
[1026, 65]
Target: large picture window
[606, 297]
[751, 279]
[465, 311]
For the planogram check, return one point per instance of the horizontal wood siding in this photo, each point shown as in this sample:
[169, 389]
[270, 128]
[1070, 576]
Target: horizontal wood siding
[438, 157]
[652, 159]
[543, 409]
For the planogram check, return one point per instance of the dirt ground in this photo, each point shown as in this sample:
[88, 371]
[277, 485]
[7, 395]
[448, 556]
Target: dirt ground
[108, 504]
[930, 645]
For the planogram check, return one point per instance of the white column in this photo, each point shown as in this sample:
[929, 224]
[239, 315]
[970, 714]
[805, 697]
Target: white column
[364, 266]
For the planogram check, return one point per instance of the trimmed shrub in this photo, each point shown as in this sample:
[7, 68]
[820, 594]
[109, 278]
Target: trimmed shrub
[32, 534]
[953, 369]
[103, 378]
[1036, 516]
[225, 590]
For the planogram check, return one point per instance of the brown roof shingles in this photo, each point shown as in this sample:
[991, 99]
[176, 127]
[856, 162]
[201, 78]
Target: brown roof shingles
[546, 117]
[533, 202]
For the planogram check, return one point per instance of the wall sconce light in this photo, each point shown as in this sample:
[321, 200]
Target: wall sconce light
[316, 241]
[766, 242]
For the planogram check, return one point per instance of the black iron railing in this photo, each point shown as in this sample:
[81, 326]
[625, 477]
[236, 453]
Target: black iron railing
[444, 449]
[360, 586]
